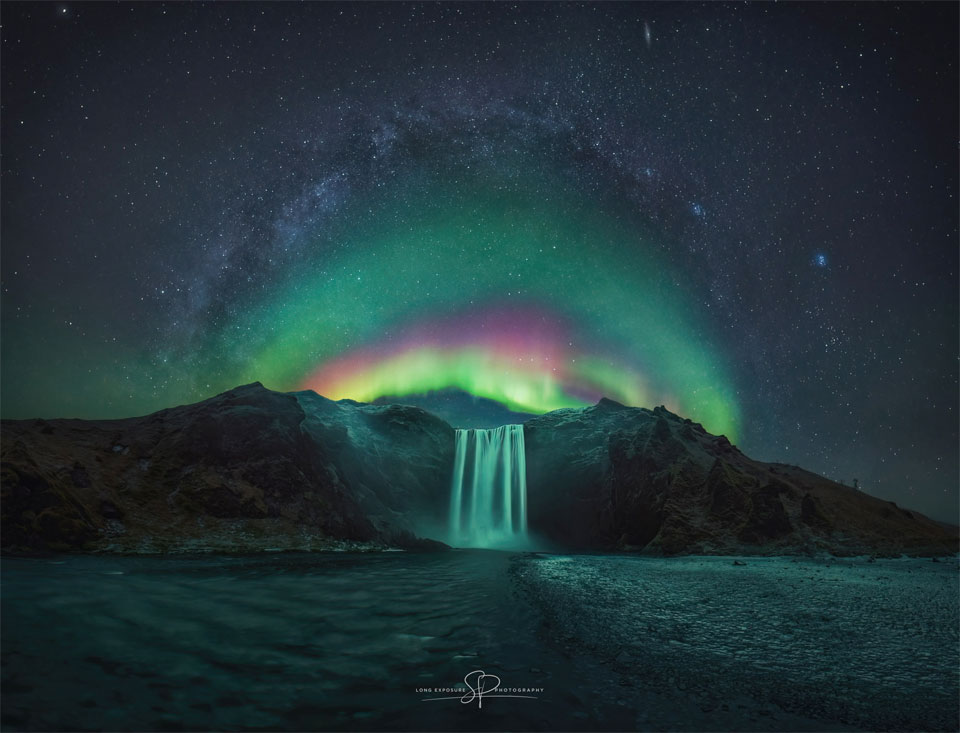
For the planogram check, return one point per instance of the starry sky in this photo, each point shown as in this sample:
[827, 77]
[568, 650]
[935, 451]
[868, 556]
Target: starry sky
[747, 213]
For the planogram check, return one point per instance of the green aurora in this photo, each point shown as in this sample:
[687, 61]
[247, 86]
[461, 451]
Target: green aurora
[409, 260]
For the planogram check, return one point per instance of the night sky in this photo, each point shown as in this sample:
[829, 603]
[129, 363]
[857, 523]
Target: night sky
[747, 213]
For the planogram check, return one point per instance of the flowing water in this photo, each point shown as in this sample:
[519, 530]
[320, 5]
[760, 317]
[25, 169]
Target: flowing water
[488, 495]
[351, 641]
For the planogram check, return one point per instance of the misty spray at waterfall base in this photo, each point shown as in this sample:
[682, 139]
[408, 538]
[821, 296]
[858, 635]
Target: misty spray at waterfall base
[488, 494]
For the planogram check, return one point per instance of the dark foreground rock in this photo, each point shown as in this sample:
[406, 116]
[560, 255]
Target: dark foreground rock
[610, 477]
[250, 469]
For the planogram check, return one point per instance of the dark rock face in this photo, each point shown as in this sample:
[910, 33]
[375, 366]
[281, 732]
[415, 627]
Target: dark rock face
[248, 469]
[611, 477]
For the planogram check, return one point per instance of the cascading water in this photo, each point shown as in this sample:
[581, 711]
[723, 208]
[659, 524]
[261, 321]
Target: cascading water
[488, 496]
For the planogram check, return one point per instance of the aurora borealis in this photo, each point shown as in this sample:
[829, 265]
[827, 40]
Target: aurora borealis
[523, 314]
[747, 214]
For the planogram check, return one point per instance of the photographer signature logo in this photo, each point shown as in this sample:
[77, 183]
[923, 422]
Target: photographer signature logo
[480, 685]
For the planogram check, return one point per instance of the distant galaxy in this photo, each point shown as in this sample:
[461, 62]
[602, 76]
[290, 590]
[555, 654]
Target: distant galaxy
[747, 214]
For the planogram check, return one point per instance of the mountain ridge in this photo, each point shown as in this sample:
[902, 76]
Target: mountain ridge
[460, 408]
[252, 469]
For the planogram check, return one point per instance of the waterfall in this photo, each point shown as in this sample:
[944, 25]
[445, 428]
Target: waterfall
[488, 494]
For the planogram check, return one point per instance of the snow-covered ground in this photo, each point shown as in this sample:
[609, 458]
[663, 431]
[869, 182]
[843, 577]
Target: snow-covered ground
[773, 643]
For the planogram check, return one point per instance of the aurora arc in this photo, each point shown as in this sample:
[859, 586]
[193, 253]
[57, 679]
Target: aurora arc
[610, 315]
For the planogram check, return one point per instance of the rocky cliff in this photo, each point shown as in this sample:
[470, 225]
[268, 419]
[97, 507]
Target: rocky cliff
[614, 477]
[253, 469]
[246, 470]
